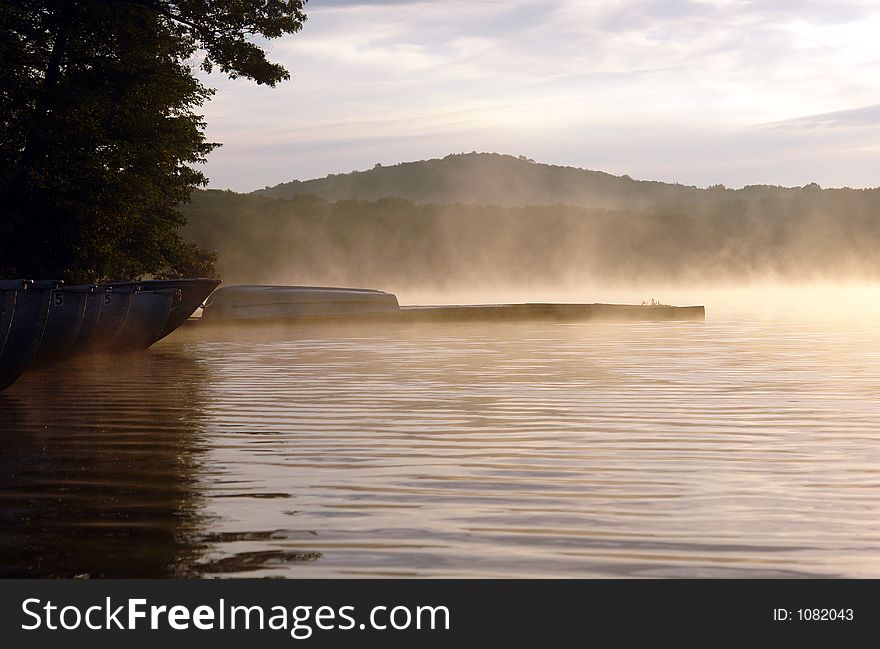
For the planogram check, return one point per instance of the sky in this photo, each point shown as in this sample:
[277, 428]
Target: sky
[732, 92]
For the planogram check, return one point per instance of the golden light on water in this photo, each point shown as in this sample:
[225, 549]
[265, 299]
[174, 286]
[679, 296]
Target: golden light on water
[742, 446]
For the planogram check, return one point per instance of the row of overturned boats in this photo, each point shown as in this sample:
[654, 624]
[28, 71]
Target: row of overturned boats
[45, 322]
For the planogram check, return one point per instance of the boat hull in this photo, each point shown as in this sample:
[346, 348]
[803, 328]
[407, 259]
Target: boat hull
[193, 293]
[146, 319]
[91, 315]
[42, 323]
[66, 318]
[122, 318]
[285, 302]
[114, 306]
[22, 324]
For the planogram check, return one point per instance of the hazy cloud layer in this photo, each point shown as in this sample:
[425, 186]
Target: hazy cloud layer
[718, 91]
[841, 119]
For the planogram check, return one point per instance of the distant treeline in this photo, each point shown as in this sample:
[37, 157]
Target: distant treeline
[696, 235]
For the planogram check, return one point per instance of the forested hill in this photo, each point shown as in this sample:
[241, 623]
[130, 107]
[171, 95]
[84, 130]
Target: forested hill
[485, 179]
[488, 218]
[508, 181]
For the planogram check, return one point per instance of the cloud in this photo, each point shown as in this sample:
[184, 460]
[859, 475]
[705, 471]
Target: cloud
[322, 4]
[382, 82]
[867, 116]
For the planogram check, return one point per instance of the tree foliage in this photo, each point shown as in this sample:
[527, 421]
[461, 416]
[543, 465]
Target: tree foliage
[99, 130]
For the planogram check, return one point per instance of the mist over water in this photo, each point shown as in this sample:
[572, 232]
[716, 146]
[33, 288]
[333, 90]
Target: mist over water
[743, 446]
[485, 221]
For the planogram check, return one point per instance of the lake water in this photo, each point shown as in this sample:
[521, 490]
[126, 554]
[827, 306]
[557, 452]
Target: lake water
[745, 446]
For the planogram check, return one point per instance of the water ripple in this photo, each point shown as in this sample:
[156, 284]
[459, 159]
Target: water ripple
[738, 448]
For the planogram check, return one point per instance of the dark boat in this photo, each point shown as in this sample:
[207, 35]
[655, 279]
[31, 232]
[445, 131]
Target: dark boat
[41, 322]
[128, 318]
[146, 320]
[91, 315]
[66, 318]
[25, 309]
[193, 293]
[114, 305]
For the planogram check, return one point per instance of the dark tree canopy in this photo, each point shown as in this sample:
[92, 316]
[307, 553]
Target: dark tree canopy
[99, 134]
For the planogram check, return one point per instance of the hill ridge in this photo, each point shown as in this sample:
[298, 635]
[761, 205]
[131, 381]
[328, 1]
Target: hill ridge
[483, 178]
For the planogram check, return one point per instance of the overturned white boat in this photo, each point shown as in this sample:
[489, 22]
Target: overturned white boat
[253, 302]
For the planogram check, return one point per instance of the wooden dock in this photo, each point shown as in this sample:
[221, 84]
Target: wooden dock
[550, 312]
[538, 312]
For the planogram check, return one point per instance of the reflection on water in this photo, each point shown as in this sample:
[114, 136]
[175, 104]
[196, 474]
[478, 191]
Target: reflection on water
[98, 468]
[748, 445]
